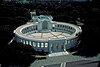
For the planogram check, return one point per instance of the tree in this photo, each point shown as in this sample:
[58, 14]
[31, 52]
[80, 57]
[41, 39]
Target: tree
[6, 34]
[17, 54]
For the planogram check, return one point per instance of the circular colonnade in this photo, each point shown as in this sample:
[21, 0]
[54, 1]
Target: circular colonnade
[47, 35]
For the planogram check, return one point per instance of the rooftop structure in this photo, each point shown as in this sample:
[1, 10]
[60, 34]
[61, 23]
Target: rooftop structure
[47, 35]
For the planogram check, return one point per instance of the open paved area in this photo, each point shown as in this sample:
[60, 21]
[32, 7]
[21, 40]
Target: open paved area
[67, 61]
[47, 35]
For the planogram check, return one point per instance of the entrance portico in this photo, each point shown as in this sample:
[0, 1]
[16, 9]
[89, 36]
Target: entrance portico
[56, 46]
[44, 25]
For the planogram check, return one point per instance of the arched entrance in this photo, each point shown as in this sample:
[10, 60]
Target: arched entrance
[45, 25]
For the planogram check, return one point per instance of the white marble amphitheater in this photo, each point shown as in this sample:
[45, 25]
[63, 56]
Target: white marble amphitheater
[47, 35]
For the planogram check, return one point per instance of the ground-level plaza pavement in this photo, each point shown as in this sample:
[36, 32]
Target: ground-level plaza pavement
[67, 61]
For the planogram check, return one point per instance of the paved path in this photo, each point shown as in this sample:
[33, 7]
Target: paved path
[61, 60]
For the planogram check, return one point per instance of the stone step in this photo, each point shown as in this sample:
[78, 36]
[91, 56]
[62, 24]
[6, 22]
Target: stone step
[58, 54]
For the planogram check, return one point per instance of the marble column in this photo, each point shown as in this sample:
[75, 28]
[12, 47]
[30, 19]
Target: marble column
[50, 46]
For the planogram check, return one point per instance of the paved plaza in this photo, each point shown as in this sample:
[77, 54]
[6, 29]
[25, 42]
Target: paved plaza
[48, 35]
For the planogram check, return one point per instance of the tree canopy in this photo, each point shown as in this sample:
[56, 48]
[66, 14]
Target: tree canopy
[17, 54]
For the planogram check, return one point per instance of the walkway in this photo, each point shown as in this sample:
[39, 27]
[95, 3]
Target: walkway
[58, 54]
[65, 60]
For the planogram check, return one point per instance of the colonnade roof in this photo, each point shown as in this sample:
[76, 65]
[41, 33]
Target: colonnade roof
[45, 36]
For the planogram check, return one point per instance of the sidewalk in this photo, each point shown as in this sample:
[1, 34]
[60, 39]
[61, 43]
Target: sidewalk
[58, 54]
